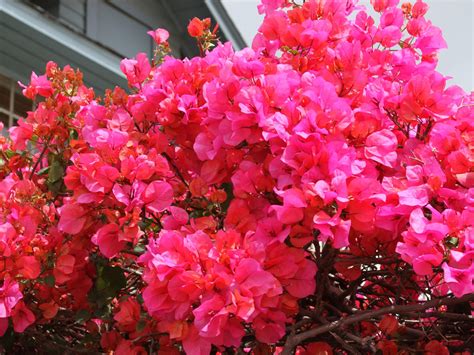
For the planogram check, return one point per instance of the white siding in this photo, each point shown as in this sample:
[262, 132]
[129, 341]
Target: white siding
[115, 30]
[73, 13]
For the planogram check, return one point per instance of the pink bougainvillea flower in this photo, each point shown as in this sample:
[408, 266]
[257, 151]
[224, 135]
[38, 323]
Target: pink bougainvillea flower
[459, 273]
[127, 347]
[28, 266]
[213, 320]
[157, 196]
[459, 280]
[73, 218]
[7, 236]
[39, 85]
[159, 35]
[64, 271]
[64, 268]
[136, 70]
[414, 196]
[381, 5]
[381, 147]
[268, 6]
[194, 344]
[179, 217]
[107, 238]
[431, 40]
[206, 196]
[292, 209]
[21, 133]
[270, 327]
[10, 295]
[128, 315]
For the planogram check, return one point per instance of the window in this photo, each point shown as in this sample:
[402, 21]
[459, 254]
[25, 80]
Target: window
[52, 6]
[13, 104]
[71, 13]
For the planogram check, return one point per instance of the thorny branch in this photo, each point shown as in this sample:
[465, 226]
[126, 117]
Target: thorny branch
[334, 313]
[293, 341]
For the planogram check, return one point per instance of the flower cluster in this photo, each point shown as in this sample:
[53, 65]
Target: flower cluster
[234, 280]
[226, 195]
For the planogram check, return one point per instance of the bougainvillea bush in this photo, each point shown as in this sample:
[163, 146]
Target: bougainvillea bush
[312, 194]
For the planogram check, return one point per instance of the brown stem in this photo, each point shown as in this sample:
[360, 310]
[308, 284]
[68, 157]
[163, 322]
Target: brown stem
[394, 118]
[428, 128]
[350, 349]
[446, 315]
[41, 156]
[175, 168]
[293, 341]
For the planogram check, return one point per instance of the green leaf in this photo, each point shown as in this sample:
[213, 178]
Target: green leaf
[73, 134]
[451, 241]
[114, 277]
[139, 249]
[9, 153]
[50, 280]
[140, 325]
[145, 223]
[43, 171]
[101, 284]
[56, 171]
[101, 312]
[110, 280]
[228, 188]
[196, 214]
[56, 187]
[82, 316]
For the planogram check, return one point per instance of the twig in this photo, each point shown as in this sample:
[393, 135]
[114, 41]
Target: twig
[344, 344]
[447, 315]
[41, 156]
[394, 118]
[366, 343]
[175, 168]
[293, 341]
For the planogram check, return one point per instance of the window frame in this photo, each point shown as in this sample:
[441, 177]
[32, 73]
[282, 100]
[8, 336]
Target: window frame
[12, 87]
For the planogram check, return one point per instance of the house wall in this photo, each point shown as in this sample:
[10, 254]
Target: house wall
[119, 25]
[92, 35]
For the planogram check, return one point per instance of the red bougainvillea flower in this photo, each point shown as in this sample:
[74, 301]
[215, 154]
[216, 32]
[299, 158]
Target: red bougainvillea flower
[22, 317]
[196, 27]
